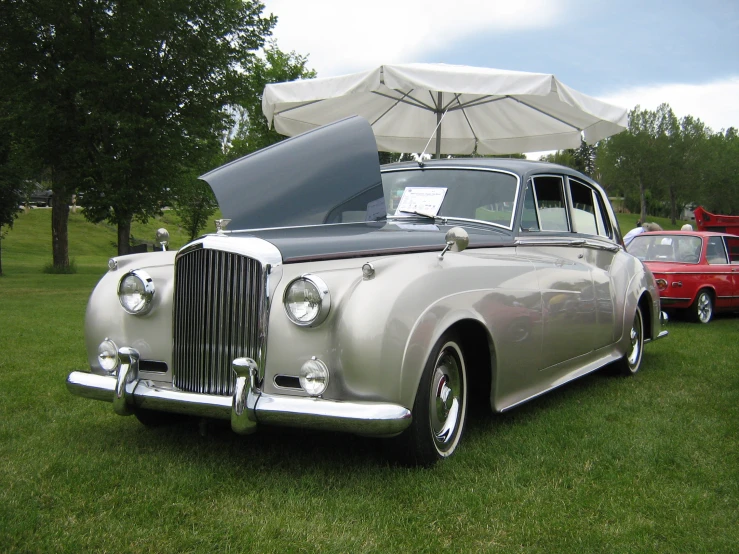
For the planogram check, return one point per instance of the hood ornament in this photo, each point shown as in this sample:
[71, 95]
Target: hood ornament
[161, 239]
[221, 225]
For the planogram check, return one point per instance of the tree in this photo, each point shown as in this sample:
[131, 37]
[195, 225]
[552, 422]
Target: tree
[582, 158]
[11, 195]
[718, 189]
[686, 162]
[251, 131]
[561, 157]
[14, 170]
[45, 56]
[637, 161]
[193, 199]
[113, 94]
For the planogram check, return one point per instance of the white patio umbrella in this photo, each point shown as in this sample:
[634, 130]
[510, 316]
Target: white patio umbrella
[466, 109]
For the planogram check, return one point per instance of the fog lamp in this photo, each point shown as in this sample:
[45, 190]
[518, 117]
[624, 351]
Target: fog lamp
[136, 291]
[108, 356]
[314, 377]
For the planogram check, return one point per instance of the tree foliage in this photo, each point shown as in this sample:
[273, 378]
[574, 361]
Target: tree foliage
[251, 131]
[114, 94]
[11, 193]
[193, 198]
[662, 164]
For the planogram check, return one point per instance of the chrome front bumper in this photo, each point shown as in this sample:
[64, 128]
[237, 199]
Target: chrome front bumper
[246, 408]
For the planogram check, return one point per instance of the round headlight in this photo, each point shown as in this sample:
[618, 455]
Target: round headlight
[314, 377]
[307, 301]
[136, 291]
[108, 355]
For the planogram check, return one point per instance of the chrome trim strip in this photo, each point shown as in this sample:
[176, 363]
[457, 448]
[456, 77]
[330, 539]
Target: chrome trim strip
[125, 381]
[547, 241]
[694, 273]
[221, 309]
[603, 245]
[662, 334]
[460, 168]
[365, 418]
[243, 420]
[259, 249]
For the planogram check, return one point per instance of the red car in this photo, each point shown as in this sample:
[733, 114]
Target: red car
[696, 271]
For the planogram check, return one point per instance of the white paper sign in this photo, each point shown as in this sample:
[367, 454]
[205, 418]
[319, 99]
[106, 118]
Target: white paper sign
[423, 200]
[376, 209]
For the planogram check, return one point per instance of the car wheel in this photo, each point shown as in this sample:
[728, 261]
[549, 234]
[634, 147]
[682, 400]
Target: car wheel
[702, 309]
[631, 361]
[440, 409]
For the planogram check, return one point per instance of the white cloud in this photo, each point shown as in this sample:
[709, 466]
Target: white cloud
[342, 36]
[714, 103]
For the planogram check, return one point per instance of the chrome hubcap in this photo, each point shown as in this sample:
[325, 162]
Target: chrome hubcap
[447, 398]
[635, 351]
[704, 308]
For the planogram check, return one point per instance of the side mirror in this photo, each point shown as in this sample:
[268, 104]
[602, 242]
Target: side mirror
[456, 239]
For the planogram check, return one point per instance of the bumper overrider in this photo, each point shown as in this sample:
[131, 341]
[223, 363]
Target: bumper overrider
[246, 408]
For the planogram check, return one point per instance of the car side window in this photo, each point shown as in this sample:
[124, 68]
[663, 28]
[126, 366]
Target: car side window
[549, 201]
[715, 251]
[732, 246]
[529, 220]
[588, 214]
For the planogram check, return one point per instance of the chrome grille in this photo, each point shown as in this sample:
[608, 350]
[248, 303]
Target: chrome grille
[219, 305]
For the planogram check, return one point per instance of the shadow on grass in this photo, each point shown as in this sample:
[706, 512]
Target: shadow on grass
[211, 443]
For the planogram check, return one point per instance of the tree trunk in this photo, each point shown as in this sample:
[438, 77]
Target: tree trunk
[642, 201]
[59, 226]
[673, 206]
[124, 235]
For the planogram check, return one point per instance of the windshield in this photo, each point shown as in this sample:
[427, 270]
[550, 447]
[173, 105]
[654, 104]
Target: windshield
[666, 248]
[476, 194]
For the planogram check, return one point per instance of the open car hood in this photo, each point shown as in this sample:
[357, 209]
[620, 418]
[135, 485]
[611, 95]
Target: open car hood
[300, 180]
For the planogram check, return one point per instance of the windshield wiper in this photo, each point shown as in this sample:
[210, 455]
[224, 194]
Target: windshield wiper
[422, 214]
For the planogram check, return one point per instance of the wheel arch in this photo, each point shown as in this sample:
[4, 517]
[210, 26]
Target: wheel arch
[478, 349]
[645, 302]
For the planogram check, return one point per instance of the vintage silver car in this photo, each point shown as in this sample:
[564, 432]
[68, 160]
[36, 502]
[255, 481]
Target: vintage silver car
[377, 301]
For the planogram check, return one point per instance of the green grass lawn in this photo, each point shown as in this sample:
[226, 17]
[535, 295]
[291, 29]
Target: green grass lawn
[605, 464]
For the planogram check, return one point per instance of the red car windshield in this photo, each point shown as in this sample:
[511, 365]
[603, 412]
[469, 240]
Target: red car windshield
[666, 248]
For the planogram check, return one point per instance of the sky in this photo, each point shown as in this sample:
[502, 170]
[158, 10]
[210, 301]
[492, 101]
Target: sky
[627, 52]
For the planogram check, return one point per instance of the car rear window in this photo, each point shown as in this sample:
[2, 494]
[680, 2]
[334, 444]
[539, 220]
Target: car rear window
[666, 248]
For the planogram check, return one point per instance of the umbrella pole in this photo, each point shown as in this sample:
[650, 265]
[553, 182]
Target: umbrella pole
[438, 127]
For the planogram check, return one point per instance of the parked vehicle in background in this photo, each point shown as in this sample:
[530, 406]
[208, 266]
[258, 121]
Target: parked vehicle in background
[697, 272]
[376, 301]
[40, 197]
[706, 221]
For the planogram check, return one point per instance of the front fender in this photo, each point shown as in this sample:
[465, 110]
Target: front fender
[150, 334]
[642, 283]
[388, 326]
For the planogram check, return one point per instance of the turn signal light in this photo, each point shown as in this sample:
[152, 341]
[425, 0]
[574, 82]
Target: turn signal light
[661, 284]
